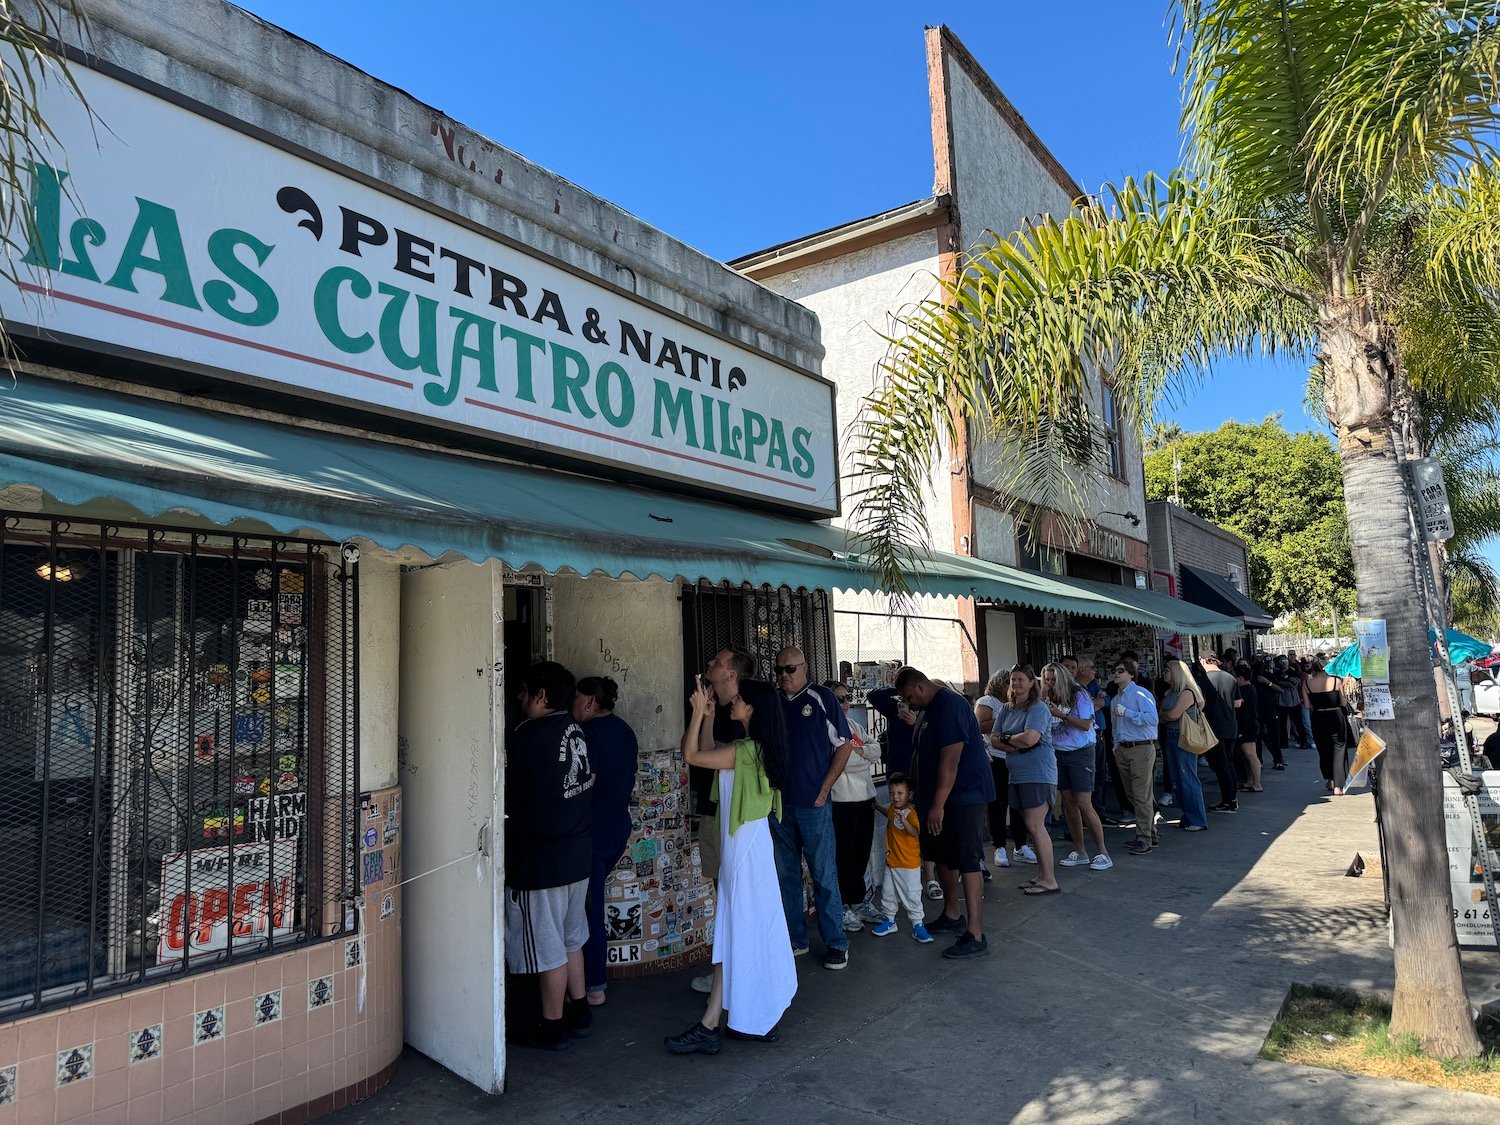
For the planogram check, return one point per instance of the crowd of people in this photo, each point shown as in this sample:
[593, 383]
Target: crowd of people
[1076, 747]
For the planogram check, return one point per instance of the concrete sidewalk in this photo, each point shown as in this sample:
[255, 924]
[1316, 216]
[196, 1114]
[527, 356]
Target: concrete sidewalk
[1140, 994]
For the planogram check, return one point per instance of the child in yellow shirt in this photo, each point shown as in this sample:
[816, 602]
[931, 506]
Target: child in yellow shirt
[903, 862]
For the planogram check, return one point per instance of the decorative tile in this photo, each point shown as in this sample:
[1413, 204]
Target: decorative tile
[208, 1025]
[75, 1064]
[7, 1085]
[144, 1044]
[267, 1007]
[354, 952]
[320, 992]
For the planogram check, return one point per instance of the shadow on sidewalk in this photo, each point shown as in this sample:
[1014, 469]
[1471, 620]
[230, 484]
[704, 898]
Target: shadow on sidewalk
[1141, 993]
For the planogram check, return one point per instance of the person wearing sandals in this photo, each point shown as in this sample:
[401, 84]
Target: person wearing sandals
[1073, 737]
[1133, 717]
[1183, 695]
[1023, 729]
[755, 976]
[1003, 825]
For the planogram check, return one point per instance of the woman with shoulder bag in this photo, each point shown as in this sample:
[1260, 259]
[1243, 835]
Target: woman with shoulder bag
[1181, 698]
[1325, 700]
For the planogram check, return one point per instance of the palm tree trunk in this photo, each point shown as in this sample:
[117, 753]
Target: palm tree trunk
[1430, 1000]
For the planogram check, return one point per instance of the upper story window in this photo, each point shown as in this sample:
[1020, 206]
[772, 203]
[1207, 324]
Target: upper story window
[1113, 441]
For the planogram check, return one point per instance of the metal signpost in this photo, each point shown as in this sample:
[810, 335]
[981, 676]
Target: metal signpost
[1435, 520]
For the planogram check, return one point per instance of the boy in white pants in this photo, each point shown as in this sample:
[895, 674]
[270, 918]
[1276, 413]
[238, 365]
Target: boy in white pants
[903, 862]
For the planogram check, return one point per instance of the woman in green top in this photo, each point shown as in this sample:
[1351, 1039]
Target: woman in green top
[754, 975]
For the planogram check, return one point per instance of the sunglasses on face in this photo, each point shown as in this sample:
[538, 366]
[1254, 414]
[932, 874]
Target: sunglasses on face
[785, 669]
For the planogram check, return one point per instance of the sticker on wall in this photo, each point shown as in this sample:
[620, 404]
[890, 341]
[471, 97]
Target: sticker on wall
[392, 864]
[372, 866]
[391, 830]
[388, 905]
[250, 728]
[372, 837]
[622, 920]
[7, 1084]
[624, 953]
[75, 1064]
[144, 1044]
[372, 811]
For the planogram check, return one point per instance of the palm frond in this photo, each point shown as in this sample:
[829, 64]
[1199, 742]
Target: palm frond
[1155, 280]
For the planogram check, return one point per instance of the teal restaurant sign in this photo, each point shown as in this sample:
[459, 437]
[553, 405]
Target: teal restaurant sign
[168, 237]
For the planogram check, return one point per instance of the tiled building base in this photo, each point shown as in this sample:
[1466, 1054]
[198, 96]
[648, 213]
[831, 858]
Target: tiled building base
[282, 1038]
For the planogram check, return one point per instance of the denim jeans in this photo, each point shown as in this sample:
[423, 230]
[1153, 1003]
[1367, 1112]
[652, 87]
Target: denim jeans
[808, 832]
[1189, 792]
[594, 951]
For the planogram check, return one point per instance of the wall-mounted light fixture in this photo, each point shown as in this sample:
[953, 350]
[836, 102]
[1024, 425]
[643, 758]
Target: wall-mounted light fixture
[1135, 520]
[61, 569]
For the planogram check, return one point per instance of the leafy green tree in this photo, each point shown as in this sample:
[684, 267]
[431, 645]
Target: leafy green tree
[1281, 493]
[1340, 199]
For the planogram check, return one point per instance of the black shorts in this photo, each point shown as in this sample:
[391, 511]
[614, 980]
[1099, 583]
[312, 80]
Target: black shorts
[960, 845]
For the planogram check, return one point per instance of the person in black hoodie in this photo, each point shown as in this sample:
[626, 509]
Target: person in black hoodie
[548, 852]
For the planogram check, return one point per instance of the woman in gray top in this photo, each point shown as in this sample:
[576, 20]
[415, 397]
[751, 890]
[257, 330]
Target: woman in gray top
[1023, 729]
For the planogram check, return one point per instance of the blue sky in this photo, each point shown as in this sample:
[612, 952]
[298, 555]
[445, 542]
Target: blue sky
[735, 127]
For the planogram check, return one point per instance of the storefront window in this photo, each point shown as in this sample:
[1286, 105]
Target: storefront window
[177, 752]
[763, 621]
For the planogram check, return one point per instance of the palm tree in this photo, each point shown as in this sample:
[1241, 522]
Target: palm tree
[1339, 199]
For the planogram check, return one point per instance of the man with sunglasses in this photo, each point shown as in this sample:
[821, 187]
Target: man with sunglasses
[818, 745]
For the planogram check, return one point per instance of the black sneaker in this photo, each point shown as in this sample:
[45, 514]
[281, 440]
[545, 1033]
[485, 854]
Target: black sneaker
[696, 1040]
[942, 924]
[985, 871]
[548, 1035]
[967, 945]
[1279, 766]
[1226, 806]
[578, 1018]
[836, 959]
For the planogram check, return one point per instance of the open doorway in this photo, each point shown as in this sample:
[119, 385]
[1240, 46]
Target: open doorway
[527, 635]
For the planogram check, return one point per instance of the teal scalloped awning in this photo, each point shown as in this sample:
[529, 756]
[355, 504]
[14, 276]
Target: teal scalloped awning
[150, 459]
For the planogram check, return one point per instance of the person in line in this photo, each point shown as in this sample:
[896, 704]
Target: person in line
[1268, 696]
[1133, 716]
[1218, 689]
[1325, 701]
[953, 785]
[1247, 716]
[1288, 683]
[1023, 730]
[1183, 697]
[1073, 739]
[549, 801]
[853, 799]
[728, 670]
[901, 724]
[754, 977]
[1088, 681]
[819, 744]
[1003, 826]
[614, 756]
[902, 885]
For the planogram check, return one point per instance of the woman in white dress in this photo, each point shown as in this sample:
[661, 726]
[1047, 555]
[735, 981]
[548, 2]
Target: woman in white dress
[755, 977]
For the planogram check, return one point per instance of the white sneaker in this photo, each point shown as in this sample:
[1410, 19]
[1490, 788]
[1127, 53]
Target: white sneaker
[869, 912]
[1001, 859]
[703, 984]
[1073, 859]
[1026, 854]
[852, 924]
[1101, 863]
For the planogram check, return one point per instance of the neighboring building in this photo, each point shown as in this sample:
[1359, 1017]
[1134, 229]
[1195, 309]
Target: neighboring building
[992, 173]
[1202, 563]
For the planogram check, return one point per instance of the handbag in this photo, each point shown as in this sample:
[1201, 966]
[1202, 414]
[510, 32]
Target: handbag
[1195, 735]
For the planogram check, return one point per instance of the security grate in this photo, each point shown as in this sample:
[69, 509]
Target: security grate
[762, 621]
[177, 749]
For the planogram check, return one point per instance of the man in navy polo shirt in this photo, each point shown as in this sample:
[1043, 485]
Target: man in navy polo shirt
[954, 789]
[818, 745]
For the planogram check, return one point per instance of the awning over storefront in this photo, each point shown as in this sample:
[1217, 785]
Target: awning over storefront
[153, 460]
[1214, 592]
